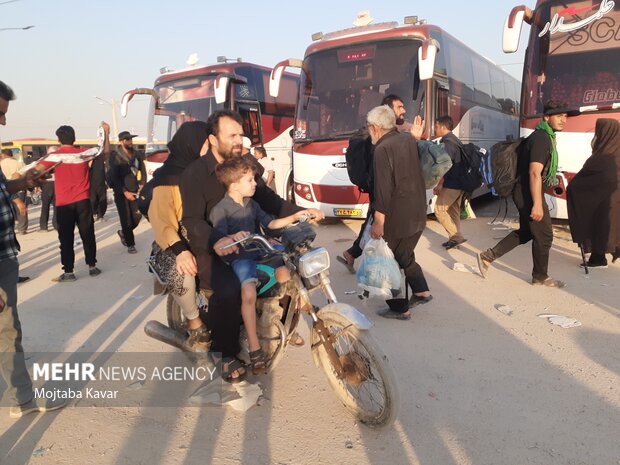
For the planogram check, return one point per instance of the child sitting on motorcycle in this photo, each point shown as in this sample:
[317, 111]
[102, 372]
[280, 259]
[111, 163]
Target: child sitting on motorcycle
[238, 216]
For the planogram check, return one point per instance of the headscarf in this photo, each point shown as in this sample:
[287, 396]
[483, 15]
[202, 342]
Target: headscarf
[184, 149]
[607, 137]
[550, 179]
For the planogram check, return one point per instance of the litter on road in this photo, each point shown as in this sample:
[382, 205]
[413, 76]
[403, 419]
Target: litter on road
[560, 320]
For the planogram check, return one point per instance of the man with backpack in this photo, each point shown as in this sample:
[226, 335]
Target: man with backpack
[359, 158]
[449, 190]
[536, 167]
[126, 177]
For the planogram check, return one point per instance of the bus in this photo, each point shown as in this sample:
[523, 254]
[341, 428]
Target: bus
[346, 73]
[572, 56]
[194, 93]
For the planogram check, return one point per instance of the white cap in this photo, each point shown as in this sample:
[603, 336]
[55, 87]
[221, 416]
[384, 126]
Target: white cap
[247, 143]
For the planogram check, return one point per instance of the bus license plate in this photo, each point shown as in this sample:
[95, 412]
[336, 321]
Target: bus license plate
[347, 212]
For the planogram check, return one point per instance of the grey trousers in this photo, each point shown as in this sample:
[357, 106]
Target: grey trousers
[12, 361]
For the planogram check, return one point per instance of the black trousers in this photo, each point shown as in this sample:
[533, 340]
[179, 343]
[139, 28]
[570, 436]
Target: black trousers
[99, 199]
[224, 316]
[355, 250]
[404, 253]
[48, 200]
[80, 214]
[129, 216]
[539, 232]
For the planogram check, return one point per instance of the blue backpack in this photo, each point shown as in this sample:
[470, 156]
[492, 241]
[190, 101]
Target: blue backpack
[499, 167]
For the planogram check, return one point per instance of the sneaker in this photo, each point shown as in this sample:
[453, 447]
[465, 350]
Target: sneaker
[199, 339]
[483, 264]
[65, 278]
[549, 282]
[94, 271]
[122, 236]
[132, 249]
[36, 405]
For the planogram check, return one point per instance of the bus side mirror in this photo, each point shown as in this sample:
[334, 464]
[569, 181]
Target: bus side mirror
[221, 86]
[426, 58]
[129, 95]
[512, 29]
[276, 74]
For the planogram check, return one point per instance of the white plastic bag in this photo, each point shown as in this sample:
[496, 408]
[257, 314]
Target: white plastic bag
[378, 273]
[366, 234]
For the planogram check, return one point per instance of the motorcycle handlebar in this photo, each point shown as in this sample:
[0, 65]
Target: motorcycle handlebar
[256, 238]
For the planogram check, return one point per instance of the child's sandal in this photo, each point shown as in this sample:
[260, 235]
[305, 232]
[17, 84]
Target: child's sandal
[258, 362]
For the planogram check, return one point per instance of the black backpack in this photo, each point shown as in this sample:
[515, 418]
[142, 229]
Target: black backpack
[500, 166]
[359, 162]
[145, 197]
[471, 160]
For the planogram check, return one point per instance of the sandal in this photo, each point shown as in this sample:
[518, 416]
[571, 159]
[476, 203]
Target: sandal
[233, 365]
[345, 262]
[258, 361]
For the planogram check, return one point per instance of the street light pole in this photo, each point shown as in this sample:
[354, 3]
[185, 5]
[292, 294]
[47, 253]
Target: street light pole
[114, 121]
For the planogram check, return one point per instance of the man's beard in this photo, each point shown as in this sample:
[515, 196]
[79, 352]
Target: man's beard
[234, 151]
[400, 120]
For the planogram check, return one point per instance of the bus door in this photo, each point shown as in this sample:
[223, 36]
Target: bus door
[250, 113]
[440, 99]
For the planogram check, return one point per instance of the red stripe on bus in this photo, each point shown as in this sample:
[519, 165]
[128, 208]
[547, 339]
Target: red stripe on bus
[341, 195]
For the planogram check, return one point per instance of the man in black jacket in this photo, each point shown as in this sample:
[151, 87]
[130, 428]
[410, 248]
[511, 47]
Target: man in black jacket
[360, 145]
[400, 204]
[127, 175]
[200, 192]
[449, 190]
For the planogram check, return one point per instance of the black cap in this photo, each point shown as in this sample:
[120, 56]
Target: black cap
[557, 108]
[126, 135]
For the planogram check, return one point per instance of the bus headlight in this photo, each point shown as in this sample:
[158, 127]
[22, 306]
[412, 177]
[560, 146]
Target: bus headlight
[314, 262]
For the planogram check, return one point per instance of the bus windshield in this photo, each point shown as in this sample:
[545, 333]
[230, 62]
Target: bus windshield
[339, 86]
[186, 99]
[573, 55]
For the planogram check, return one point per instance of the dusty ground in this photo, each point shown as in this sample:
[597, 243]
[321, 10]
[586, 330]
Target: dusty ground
[477, 386]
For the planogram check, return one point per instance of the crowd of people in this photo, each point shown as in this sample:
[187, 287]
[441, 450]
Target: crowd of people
[212, 191]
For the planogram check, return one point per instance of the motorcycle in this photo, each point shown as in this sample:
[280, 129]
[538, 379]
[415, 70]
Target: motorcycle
[341, 343]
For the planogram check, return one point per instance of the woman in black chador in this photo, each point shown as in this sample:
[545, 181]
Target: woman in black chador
[594, 196]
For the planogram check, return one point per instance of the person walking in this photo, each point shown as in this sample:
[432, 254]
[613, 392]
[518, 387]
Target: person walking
[12, 361]
[399, 205]
[361, 147]
[536, 167]
[593, 197]
[127, 176]
[449, 190]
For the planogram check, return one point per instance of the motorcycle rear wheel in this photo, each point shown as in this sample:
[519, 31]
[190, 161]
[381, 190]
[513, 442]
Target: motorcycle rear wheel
[369, 390]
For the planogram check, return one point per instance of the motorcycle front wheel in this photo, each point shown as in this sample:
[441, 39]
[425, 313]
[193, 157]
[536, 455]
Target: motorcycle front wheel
[368, 389]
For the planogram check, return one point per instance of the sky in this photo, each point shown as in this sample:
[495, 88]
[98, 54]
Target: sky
[80, 49]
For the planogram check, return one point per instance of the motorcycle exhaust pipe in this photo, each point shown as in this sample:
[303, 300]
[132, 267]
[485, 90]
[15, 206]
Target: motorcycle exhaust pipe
[166, 334]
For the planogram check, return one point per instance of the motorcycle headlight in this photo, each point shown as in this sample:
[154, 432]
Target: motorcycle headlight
[314, 262]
